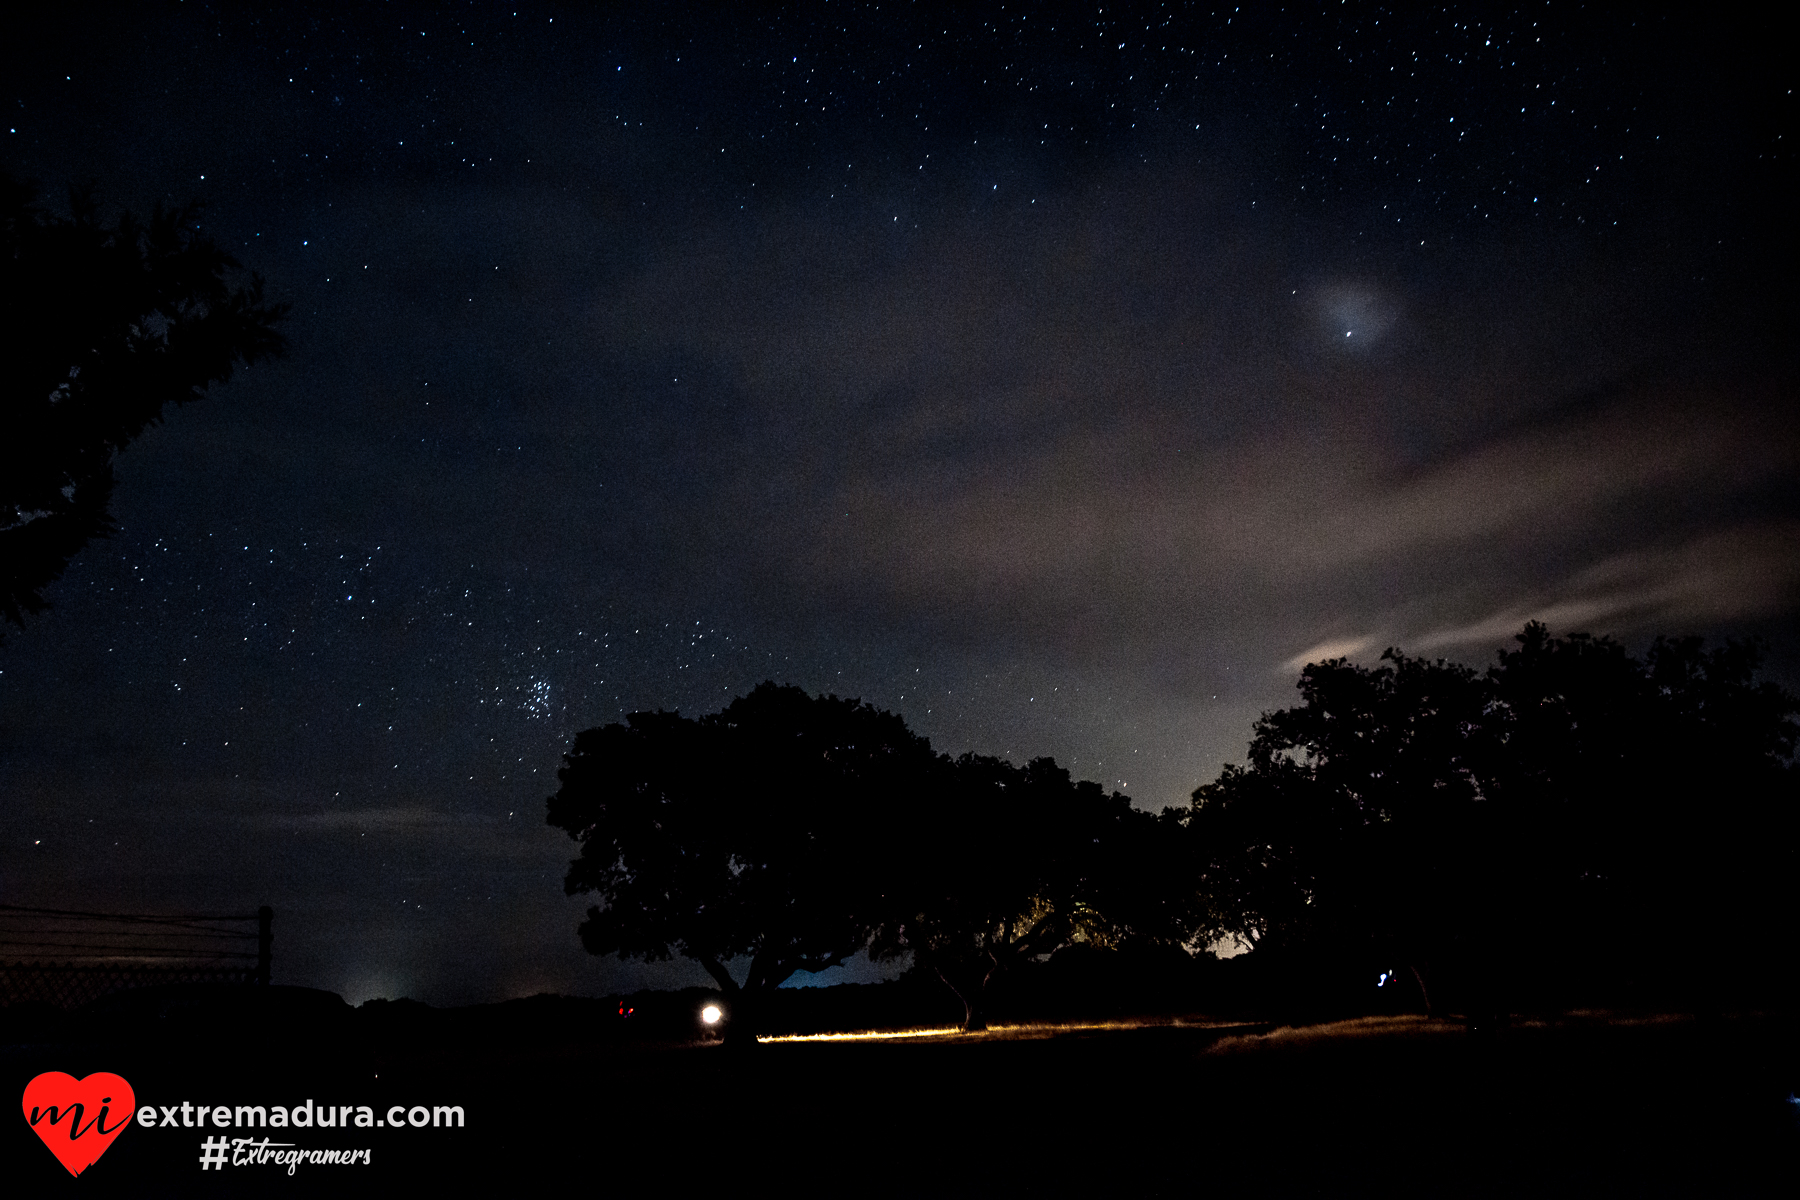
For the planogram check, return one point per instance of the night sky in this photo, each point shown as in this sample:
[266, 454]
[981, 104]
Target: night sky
[1061, 378]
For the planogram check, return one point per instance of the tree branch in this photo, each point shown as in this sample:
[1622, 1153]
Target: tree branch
[717, 970]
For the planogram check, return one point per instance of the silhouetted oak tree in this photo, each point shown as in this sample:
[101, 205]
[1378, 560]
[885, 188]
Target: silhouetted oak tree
[1010, 864]
[1574, 822]
[104, 326]
[1353, 821]
[757, 832]
[1647, 812]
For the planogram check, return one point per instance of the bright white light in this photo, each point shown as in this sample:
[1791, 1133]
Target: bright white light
[711, 1014]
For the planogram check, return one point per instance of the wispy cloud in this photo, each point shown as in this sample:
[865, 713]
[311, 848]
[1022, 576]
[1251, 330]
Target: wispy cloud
[371, 820]
[1727, 576]
[1114, 444]
[1339, 648]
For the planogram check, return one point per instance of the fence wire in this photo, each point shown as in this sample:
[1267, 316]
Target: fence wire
[69, 957]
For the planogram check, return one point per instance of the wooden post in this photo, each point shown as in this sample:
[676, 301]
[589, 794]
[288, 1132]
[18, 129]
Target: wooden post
[265, 917]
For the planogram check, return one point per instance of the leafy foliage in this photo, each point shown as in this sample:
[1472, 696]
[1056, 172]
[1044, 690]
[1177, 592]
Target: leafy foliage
[753, 832]
[1355, 812]
[1568, 818]
[1014, 864]
[1572, 822]
[104, 328]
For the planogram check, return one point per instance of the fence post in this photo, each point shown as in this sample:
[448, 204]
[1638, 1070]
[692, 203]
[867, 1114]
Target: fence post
[265, 916]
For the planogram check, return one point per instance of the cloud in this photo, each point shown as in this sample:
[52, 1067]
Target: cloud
[1552, 477]
[1107, 448]
[1728, 576]
[371, 820]
[1123, 527]
[1324, 651]
[1351, 317]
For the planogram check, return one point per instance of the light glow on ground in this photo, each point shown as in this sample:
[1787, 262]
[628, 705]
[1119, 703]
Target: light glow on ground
[991, 1033]
[1269, 1035]
[872, 1035]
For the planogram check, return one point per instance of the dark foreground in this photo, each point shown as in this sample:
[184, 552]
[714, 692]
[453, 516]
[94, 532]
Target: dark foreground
[1388, 1106]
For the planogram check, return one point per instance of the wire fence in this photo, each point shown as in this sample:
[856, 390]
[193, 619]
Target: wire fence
[68, 958]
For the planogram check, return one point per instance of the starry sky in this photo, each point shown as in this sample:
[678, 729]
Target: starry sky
[1061, 377]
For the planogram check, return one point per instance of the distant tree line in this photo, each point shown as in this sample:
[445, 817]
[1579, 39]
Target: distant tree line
[1574, 825]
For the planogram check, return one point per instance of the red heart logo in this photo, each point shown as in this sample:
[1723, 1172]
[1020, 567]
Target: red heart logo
[76, 1117]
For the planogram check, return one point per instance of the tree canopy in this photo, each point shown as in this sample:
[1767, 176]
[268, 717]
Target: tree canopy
[796, 831]
[756, 832]
[1352, 818]
[1011, 863]
[1573, 821]
[105, 327]
[1573, 825]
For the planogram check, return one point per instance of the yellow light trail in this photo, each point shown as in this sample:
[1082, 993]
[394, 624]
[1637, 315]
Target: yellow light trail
[870, 1036]
[994, 1032]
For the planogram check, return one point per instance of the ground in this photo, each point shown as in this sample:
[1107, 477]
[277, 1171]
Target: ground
[1588, 1104]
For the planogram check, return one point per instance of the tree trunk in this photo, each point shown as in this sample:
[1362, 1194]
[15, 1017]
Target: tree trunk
[974, 1012]
[740, 1022]
[973, 994]
[1424, 995]
[739, 1004]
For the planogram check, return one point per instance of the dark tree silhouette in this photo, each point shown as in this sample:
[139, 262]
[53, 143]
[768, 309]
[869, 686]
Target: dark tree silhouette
[1015, 864]
[757, 832]
[1354, 820]
[1650, 805]
[1574, 823]
[104, 327]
